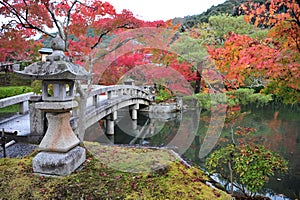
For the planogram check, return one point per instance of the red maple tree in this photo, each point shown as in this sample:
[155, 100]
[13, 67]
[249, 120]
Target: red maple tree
[81, 23]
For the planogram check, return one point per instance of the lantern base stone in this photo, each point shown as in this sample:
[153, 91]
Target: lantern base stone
[61, 164]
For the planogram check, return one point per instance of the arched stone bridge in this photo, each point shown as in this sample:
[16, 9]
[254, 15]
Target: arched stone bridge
[104, 101]
[101, 102]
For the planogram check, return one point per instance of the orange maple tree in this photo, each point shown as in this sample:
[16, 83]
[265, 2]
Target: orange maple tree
[243, 60]
[275, 60]
[282, 15]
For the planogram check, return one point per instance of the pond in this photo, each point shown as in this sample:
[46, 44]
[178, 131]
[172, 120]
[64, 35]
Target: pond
[187, 133]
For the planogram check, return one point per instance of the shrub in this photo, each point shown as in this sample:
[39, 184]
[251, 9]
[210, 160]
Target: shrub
[13, 90]
[163, 94]
[251, 166]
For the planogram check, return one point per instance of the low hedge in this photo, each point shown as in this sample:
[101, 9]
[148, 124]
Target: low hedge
[9, 91]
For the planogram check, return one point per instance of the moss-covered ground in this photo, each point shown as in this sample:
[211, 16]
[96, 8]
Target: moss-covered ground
[161, 176]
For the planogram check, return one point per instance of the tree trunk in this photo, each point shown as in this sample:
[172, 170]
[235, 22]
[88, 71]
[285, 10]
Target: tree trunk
[231, 176]
[198, 78]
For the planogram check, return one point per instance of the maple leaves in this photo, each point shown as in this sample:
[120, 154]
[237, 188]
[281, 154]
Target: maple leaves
[25, 14]
[15, 46]
[274, 60]
[272, 12]
[80, 23]
[150, 66]
[271, 62]
[243, 58]
[85, 25]
[283, 15]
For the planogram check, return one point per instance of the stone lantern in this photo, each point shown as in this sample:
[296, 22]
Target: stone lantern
[60, 153]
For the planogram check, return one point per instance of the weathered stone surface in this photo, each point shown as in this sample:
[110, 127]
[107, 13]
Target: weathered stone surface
[58, 43]
[15, 99]
[59, 136]
[53, 163]
[37, 124]
[129, 81]
[54, 70]
[110, 124]
[56, 106]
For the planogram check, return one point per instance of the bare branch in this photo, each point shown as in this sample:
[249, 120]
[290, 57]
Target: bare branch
[69, 18]
[297, 20]
[115, 48]
[107, 31]
[100, 38]
[56, 22]
[26, 15]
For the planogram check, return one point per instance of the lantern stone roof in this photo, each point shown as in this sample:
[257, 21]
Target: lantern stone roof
[56, 67]
[54, 70]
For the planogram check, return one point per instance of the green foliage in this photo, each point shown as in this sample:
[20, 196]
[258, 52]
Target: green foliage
[208, 101]
[252, 165]
[163, 94]
[245, 96]
[12, 79]
[222, 25]
[241, 96]
[283, 93]
[10, 109]
[13, 90]
[37, 86]
[228, 7]
[191, 49]
[260, 34]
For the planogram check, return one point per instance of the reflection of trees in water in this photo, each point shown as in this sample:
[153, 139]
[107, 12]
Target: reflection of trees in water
[277, 130]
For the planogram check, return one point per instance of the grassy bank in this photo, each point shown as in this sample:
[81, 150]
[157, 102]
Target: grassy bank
[167, 178]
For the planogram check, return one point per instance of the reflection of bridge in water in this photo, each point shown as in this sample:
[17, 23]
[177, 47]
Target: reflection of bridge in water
[102, 102]
[130, 131]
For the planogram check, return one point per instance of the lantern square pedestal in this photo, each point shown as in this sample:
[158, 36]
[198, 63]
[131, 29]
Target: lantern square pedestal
[60, 164]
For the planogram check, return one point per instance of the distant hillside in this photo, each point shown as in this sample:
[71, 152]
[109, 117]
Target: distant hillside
[228, 7]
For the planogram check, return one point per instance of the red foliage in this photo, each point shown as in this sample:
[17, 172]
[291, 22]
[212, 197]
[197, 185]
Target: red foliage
[15, 46]
[243, 56]
[88, 21]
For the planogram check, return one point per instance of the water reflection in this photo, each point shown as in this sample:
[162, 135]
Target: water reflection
[277, 129]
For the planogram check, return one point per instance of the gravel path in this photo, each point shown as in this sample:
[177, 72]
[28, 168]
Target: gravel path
[18, 150]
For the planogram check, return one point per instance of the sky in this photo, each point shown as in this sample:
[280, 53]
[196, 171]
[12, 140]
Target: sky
[150, 10]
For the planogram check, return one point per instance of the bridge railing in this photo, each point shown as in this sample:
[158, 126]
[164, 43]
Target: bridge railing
[120, 90]
[22, 100]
